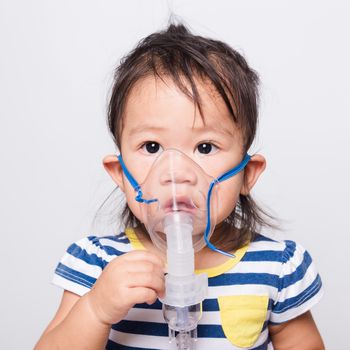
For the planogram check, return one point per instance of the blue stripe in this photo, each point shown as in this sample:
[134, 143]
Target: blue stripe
[121, 238]
[270, 304]
[161, 329]
[112, 251]
[298, 274]
[115, 346]
[157, 305]
[108, 249]
[260, 238]
[210, 305]
[263, 346]
[299, 299]
[210, 331]
[264, 255]
[289, 250]
[244, 278]
[118, 236]
[82, 254]
[145, 328]
[95, 240]
[75, 276]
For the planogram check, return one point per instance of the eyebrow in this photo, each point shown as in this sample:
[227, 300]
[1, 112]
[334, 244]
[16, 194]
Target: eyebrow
[150, 128]
[145, 127]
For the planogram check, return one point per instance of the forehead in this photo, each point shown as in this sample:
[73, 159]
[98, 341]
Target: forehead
[157, 101]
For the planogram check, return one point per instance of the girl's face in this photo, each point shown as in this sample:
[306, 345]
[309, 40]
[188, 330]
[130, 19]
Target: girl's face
[158, 116]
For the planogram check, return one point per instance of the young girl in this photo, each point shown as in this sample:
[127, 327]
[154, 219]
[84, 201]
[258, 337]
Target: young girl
[177, 91]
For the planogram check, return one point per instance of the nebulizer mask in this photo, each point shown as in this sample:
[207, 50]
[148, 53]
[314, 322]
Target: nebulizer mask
[179, 207]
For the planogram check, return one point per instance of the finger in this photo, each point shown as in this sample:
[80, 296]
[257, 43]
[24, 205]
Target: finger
[145, 255]
[148, 280]
[139, 295]
[145, 267]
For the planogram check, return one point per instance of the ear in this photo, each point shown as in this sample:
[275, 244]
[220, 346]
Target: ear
[114, 169]
[252, 171]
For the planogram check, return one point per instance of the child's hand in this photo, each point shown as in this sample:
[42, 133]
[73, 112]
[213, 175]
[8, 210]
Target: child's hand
[135, 277]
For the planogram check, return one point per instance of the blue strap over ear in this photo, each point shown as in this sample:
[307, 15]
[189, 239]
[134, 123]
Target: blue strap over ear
[223, 177]
[134, 183]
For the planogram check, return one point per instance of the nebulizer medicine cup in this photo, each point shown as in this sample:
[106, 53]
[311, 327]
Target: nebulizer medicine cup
[185, 290]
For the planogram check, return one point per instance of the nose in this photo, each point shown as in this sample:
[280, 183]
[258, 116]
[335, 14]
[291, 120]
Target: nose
[179, 176]
[177, 168]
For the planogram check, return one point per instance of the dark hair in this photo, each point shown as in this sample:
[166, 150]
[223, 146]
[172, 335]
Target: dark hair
[178, 54]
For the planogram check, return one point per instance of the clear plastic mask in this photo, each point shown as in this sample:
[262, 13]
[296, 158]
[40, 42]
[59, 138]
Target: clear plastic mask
[175, 183]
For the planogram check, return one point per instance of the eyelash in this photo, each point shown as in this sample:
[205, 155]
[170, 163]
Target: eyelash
[212, 149]
[149, 143]
[202, 143]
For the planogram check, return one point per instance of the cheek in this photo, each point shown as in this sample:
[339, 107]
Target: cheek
[139, 167]
[228, 194]
[133, 205]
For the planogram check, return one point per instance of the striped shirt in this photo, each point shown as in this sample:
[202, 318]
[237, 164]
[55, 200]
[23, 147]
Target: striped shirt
[268, 282]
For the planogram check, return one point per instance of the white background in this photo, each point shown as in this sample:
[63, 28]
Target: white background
[56, 66]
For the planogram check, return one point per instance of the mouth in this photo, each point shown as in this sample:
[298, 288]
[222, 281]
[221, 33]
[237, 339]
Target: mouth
[179, 204]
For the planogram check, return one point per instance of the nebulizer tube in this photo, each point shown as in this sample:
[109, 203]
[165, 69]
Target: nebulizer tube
[185, 291]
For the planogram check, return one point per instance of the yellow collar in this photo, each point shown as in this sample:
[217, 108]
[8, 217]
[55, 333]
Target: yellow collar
[211, 271]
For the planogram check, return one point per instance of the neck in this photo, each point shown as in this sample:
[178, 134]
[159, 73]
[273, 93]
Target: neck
[204, 259]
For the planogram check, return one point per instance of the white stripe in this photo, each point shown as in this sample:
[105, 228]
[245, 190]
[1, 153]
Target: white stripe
[81, 266]
[266, 245]
[147, 315]
[270, 346]
[250, 289]
[295, 312]
[262, 338]
[121, 247]
[157, 342]
[141, 341]
[211, 318]
[115, 237]
[91, 248]
[298, 287]
[272, 267]
[69, 285]
[296, 260]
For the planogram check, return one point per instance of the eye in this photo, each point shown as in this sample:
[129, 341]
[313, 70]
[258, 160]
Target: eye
[151, 147]
[207, 148]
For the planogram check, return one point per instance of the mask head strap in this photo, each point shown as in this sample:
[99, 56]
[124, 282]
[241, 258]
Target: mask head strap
[223, 177]
[134, 183]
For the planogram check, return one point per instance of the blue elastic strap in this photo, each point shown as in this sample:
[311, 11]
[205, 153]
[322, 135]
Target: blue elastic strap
[221, 178]
[134, 184]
